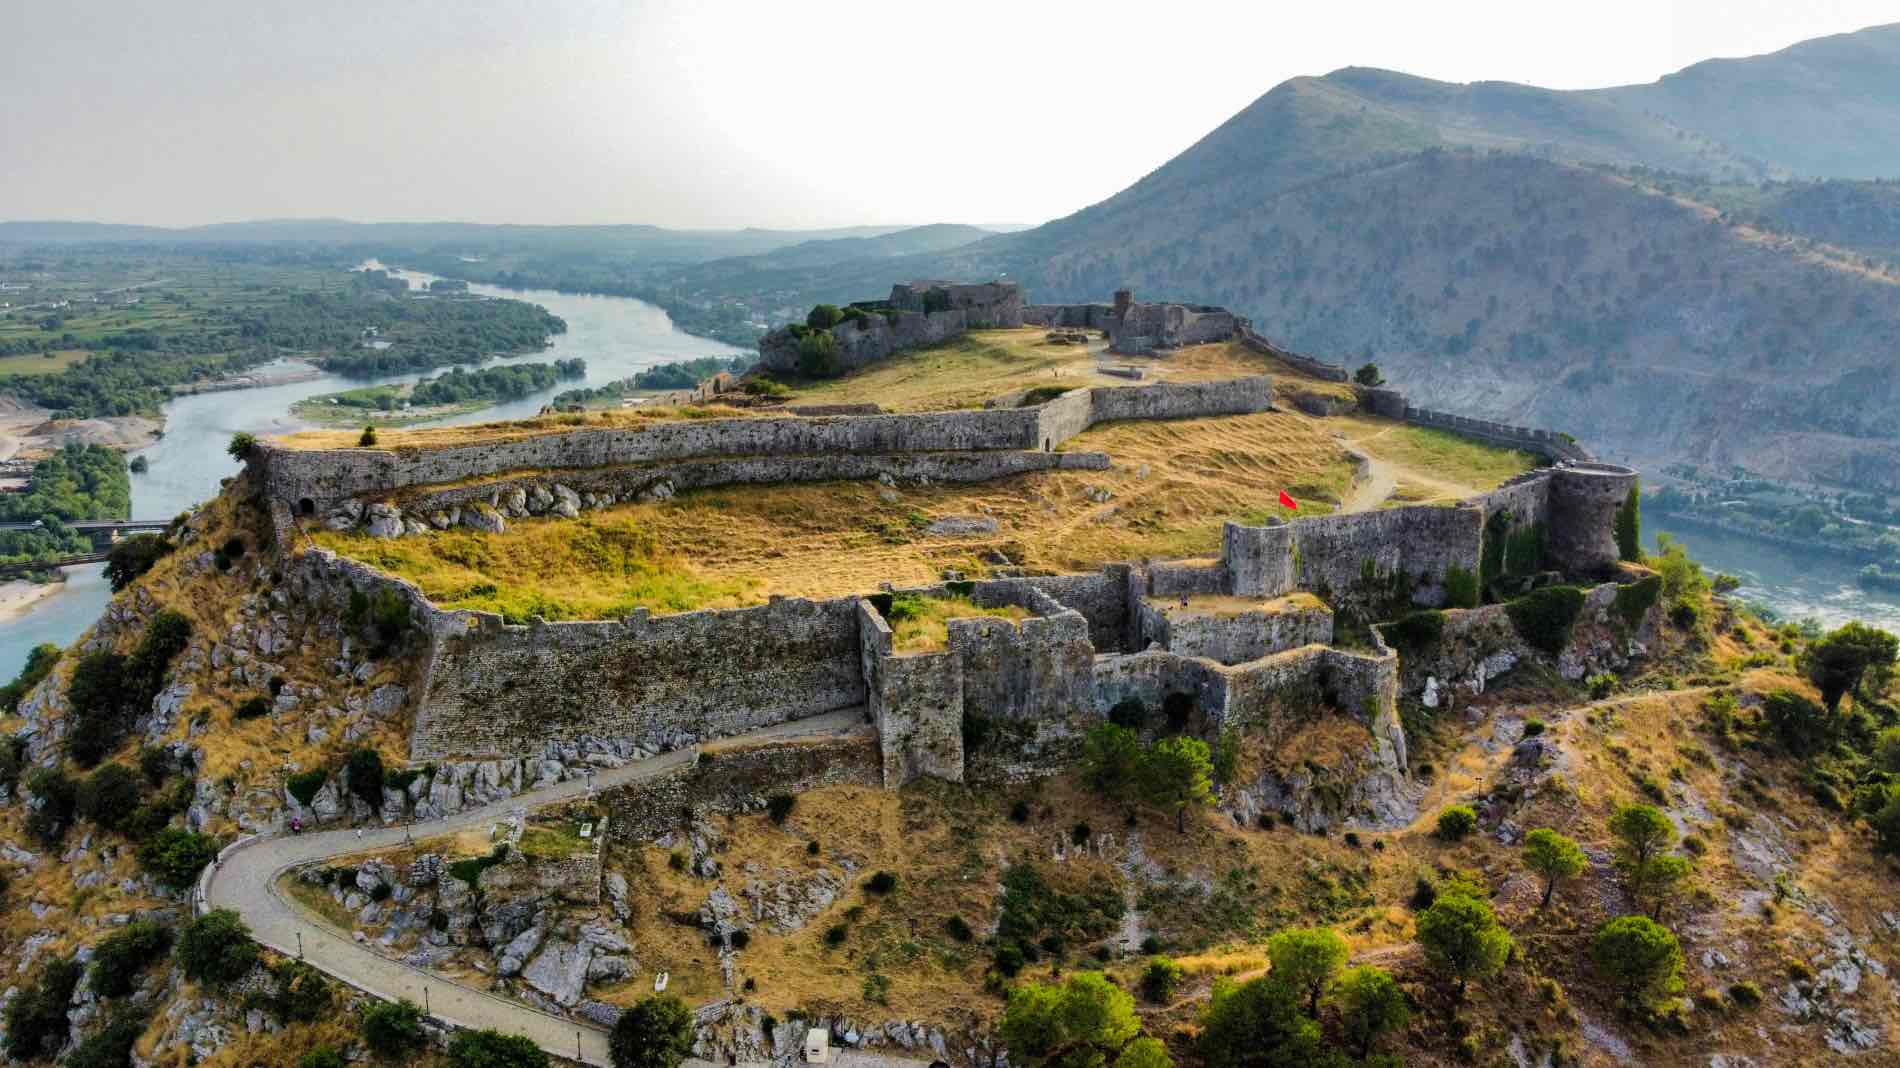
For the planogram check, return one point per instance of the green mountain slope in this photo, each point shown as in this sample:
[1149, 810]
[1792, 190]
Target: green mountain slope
[1829, 107]
[1568, 259]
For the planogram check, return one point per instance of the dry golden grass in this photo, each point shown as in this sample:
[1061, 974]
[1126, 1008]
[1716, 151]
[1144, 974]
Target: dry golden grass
[1172, 486]
[398, 439]
[1434, 466]
[1203, 604]
[979, 365]
[948, 846]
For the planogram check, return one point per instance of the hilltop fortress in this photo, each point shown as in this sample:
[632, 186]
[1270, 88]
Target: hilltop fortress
[1245, 641]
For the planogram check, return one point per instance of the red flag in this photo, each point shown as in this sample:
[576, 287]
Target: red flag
[1288, 502]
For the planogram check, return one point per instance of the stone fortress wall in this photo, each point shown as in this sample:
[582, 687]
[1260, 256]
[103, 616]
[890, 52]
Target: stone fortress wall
[917, 314]
[565, 471]
[1090, 641]
[1140, 329]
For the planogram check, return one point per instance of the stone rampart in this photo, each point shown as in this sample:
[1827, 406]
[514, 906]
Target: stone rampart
[1036, 669]
[318, 481]
[1100, 598]
[1064, 417]
[1078, 316]
[1142, 328]
[1234, 635]
[1547, 443]
[1584, 501]
[738, 779]
[1331, 372]
[1358, 559]
[1259, 560]
[1168, 400]
[920, 717]
[326, 476]
[631, 482]
[660, 681]
[917, 314]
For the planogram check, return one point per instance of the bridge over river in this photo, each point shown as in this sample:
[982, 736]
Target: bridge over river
[103, 533]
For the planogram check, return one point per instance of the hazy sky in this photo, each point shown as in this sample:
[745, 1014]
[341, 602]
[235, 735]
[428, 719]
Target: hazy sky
[789, 113]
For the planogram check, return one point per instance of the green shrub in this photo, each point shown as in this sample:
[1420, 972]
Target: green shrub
[324, 1056]
[657, 1032]
[111, 1045]
[367, 439]
[36, 1017]
[1639, 956]
[254, 708]
[58, 797]
[492, 1049]
[882, 882]
[1629, 527]
[241, 445]
[216, 948]
[133, 556]
[393, 1029]
[1415, 632]
[1745, 994]
[959, 929]
[1461, 588]
[108, 692]
[1634, 601]
[471, 869]
[1600, 685]
[779, 806]
[1456, 821]
[824, 317]
[1543, 618]
[1533, 728]
[1019, 812]
[363, 773]
[1041, 395]
[109, 796]
[304, 785]
[176, 856]
[818, 356]
[40, 661]
[836, 934]
[298, 994]
[1160, 979]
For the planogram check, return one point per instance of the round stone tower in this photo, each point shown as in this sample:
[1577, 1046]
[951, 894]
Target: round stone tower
[1584, 499]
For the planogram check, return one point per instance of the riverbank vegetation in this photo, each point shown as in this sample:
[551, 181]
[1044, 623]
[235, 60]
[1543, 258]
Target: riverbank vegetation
[77, 482]
[1856, 527]
[457, 390]
[679, 374]
[123, 325]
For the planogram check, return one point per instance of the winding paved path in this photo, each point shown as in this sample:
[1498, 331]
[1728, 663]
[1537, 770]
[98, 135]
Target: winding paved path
[245, 877]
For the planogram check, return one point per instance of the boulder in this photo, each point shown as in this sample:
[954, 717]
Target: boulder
[483, 518]
[560, 971]
[384, 522]
[516, 953]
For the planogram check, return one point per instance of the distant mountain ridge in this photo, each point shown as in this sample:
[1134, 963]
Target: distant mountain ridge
[1631, 265]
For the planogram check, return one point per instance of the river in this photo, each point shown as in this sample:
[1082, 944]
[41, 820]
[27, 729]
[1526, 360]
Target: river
[615, 335]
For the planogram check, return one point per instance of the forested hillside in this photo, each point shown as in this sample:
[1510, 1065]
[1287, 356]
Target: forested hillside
[1606, 263]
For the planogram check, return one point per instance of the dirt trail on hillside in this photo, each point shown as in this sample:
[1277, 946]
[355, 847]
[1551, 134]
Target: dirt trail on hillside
[1383, 477]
